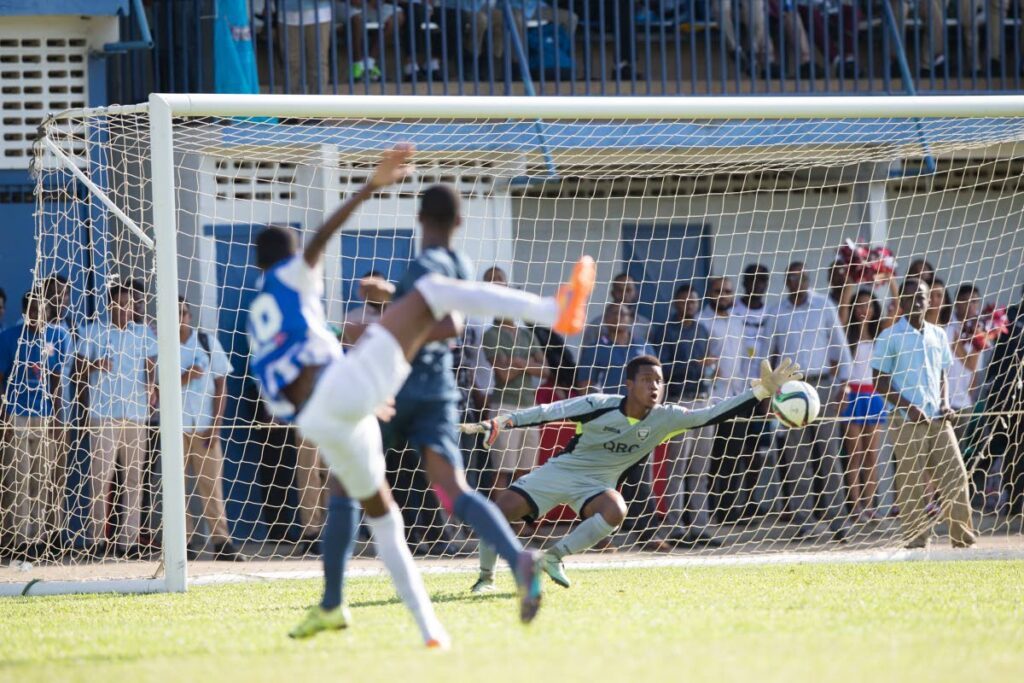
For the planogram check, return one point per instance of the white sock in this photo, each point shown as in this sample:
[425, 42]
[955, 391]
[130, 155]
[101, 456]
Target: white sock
[389, 539]
[485, 300]
[488, 558]
[585, 535]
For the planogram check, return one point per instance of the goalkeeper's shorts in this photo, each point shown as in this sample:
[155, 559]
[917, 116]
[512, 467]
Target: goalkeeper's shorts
[553, 484]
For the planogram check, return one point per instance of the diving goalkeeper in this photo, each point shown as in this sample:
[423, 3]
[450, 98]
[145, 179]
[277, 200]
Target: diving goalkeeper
[613, 433]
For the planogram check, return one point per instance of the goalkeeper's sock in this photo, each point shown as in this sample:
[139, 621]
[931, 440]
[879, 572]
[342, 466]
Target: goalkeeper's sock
[585, 535]
[389, 539]
[481, 299]
[488, 559]
[489, 524]
[338, 538]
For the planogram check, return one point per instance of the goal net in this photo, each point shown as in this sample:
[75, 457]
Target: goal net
[708, 221]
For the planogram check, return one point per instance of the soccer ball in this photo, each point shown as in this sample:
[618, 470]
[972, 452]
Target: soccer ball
[796, 404]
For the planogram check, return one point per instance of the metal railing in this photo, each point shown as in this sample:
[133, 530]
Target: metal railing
[593, 47]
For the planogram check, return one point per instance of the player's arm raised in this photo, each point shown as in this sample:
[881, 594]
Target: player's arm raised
[393, 166]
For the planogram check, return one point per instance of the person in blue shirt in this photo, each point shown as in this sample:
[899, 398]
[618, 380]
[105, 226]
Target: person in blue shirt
[910, 361]
[335, 399]
[32, 358]
[118, 358]
[603, 364]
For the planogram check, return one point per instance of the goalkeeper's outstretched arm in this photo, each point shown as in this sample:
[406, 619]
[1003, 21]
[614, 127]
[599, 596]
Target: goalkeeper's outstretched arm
[568, 410]
[769, 382]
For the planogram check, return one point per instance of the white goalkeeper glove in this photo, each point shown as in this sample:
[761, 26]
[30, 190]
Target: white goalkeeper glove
[772, 380]
[489, 428]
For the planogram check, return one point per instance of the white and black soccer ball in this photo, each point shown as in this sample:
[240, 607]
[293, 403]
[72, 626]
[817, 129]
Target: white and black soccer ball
[796, 404]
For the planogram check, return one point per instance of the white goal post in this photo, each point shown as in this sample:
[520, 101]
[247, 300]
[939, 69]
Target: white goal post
[142, 194]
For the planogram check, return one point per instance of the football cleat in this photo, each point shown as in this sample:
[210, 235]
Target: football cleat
[318, 619]
[528, 569]
[573, 297]
[484, 584]
[554, 568]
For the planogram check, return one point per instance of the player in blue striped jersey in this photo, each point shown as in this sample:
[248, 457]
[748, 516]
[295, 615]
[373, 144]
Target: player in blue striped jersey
[613, 433]
[335, 400]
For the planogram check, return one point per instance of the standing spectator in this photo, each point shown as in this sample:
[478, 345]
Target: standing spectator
[488, 22]
[752, 14]
[863, 407]
[1006, 396]
[311, 481]
[749, 440]
[617, 20]
[967, 359]
[910, 362]
[940, 308]
[118, 360]
[603, 365]
[684, 348]
[623, 290]
[807, 329]
[726, 337]
[518, 367]
[921, 269]
[32, 357]
[204, 369]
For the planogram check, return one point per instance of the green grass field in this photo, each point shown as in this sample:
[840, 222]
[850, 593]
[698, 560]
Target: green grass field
[920, 621]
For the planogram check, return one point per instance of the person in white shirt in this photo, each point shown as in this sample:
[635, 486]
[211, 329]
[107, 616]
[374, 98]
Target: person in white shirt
[863, 408]
[968, 361]
[807, 329]
[746, 449]
[118, 358]
[204, 368]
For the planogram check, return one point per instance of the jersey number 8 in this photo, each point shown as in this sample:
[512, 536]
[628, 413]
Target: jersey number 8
[265, 318]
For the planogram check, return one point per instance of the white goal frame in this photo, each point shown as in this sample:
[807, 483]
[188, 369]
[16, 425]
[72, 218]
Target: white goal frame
[162, 109]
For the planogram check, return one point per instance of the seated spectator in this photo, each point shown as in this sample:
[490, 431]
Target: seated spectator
[623, 290]
[32, 358]
[303, 42]
[419, 51]
[930, 57]
[752, 15]
[486, 24]
[990, 13]
[684, 347]
[117, 358]
[204, 368]
[354, 18]
[518, 366]
[618, 19]
[603, 365]
[863, 408]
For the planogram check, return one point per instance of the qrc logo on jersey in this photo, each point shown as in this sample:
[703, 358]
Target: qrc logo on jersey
[643, 433]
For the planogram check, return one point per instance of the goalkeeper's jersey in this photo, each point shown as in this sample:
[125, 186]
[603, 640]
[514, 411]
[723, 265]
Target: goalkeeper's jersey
[607, 442]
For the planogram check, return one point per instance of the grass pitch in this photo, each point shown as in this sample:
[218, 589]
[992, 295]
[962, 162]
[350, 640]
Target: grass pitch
[920, 621]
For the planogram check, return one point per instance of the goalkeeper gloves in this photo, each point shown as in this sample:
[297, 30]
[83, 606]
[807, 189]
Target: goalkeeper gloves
[489, 428]
[772, 380]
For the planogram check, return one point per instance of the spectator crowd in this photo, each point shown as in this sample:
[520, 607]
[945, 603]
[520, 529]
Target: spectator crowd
[314, 46]
[909, 359]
